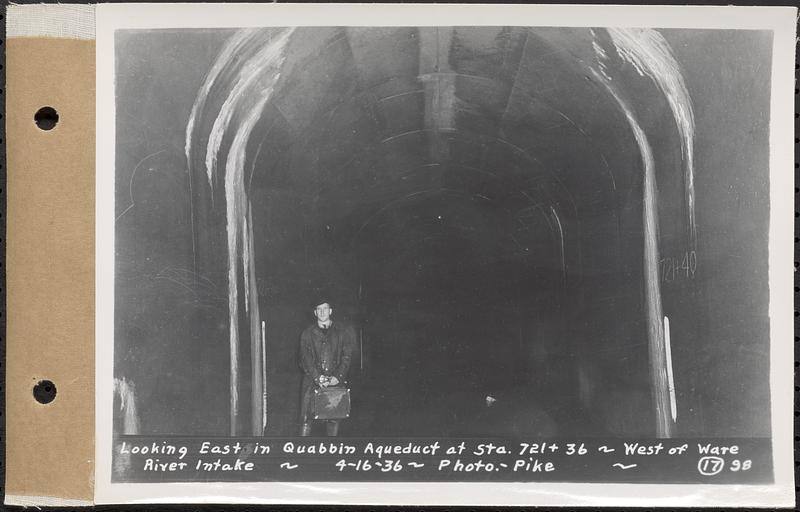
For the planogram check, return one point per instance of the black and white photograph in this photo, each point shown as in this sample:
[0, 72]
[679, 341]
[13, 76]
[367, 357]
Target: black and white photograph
[441, 253]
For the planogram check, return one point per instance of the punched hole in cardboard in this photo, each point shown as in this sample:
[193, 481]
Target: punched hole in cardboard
[46, 118]
[44, 391]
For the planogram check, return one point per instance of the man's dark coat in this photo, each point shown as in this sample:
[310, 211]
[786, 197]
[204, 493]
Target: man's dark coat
[324, 352]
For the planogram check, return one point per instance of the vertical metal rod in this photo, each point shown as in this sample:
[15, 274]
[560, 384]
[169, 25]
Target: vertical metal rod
[264, 377]
[670, 379]
[360, 329]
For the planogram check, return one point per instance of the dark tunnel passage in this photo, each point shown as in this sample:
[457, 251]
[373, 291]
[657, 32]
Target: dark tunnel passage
[447, 316]
[449, 311]
[472, 199]
[454, 317]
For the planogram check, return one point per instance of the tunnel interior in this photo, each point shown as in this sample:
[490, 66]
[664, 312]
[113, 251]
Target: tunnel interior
[447, 193]
[472, 200]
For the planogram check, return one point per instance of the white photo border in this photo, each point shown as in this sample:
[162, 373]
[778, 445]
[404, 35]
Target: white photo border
[781, 20]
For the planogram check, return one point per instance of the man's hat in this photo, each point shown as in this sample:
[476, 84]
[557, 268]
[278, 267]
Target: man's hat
[320, 298]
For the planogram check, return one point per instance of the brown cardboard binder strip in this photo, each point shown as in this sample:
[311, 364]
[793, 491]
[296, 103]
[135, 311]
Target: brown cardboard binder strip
[50, 255]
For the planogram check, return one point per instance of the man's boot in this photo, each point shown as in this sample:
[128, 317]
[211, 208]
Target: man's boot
[332, 428]
[305, 429]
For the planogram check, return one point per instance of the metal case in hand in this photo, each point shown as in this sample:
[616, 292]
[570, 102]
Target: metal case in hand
[331, 403]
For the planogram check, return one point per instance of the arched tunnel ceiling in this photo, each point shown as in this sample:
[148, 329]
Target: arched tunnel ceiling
[365, 118]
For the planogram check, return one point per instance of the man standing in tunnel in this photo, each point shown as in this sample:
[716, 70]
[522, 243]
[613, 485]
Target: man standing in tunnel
[326, 350]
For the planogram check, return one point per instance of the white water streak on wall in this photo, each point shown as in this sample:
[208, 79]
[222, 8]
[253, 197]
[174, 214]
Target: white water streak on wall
[253, 86]
[257, 364]
[246, 231]
[126, 391]
[238, 237]
[648, 52]
[653, 305]
[561, 241]
[600, 53]
[232, 46]
[266, 60]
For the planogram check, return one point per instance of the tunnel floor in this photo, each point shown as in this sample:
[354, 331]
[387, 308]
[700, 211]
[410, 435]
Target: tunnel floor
[454, 364]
